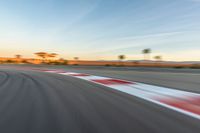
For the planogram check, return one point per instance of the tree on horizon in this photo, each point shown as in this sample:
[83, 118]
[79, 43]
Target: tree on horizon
[121, 58]
[147, 53]
[18, 56]
[76, 58]
[158, 57]
[52, 55]
[42, 55]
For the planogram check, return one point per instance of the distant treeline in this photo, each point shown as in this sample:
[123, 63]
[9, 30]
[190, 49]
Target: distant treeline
[98, 63]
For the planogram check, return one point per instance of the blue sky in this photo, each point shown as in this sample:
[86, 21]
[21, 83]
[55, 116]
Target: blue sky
[101, 29]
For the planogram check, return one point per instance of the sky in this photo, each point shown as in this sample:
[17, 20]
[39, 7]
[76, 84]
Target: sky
[101, 29]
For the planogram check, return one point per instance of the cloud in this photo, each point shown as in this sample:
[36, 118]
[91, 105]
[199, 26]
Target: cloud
[157, 35]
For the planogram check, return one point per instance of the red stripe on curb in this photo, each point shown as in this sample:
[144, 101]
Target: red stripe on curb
[193, 100]
[181, 104]
[111, 81]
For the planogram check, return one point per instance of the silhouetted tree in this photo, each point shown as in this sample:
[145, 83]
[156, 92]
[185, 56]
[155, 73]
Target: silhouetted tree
[63, 61]
[158, 57]
[42, 55]
[76, 58]
[147, 53]
[52, 55]
[121, 58]
[18, 56]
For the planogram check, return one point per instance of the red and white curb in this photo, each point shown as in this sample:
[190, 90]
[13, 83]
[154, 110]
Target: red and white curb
[185, 102]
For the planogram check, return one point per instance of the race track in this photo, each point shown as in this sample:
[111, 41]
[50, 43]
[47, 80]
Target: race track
[40, 102]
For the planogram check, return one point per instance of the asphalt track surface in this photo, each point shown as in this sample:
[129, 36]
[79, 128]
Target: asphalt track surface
[39, 102]
[181, 79]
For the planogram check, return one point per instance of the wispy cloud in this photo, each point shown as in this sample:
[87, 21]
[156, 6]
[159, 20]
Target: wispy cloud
[150, 36]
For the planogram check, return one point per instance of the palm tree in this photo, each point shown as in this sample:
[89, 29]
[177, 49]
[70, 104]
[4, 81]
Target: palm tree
[146, 53]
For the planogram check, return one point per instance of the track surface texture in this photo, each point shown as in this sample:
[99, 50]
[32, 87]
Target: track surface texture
[39, 102]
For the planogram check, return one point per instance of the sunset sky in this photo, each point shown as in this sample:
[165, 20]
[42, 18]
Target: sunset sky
[101, 29]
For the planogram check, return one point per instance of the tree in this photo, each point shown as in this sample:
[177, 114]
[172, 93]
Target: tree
[63, 61]
[18, 56]
[158, 57]
[121, 57]
[76, 58]
[42, 55]
[52, 55]
[76, 62]
[146, 53]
